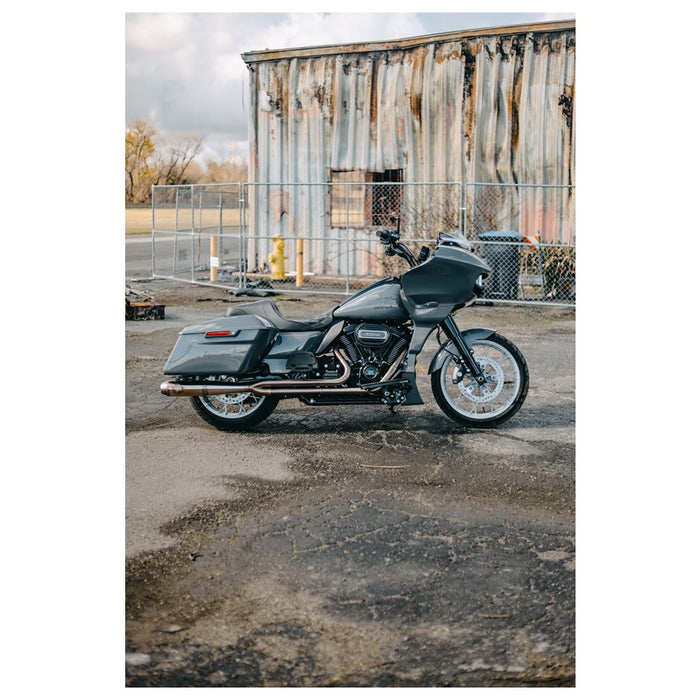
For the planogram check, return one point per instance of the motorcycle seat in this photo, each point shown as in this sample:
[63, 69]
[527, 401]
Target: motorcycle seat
[268, 310]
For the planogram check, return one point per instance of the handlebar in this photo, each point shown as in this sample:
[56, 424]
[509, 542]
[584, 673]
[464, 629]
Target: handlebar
[388, 237]
[393, 246]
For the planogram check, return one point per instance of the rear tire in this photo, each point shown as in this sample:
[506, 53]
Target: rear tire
[234, 412]
[461, 398]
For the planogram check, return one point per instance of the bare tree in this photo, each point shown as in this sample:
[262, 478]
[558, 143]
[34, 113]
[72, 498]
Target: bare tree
[177, 157]
[150, 161]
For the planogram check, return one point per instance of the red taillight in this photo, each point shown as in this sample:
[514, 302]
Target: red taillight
[213, 334]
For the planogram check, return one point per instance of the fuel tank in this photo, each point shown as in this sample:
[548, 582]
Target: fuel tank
[380, 301]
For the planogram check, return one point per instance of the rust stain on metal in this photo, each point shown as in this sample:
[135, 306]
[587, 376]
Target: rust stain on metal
[495, 105]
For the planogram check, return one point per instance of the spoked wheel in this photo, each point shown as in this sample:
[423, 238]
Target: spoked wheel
[231, 412]
[507, 379]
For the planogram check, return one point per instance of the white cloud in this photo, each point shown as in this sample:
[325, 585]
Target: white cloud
[157, 32]
[302, 30]
[227, 67]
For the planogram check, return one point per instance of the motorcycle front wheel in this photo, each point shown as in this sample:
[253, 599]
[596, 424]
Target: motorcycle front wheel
[232, 412]
[463, 400]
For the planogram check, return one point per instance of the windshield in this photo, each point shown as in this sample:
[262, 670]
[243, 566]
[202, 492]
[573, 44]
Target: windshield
[454, 238]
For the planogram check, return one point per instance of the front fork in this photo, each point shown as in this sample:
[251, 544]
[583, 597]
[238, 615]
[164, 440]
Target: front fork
[449, 327]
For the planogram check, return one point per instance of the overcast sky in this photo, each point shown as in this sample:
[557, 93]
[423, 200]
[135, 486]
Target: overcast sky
[185, 74]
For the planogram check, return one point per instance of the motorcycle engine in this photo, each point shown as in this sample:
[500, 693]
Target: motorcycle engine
[373, 348]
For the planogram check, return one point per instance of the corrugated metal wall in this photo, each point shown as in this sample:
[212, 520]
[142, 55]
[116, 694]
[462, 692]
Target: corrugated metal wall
[495, 107]
[520, 124]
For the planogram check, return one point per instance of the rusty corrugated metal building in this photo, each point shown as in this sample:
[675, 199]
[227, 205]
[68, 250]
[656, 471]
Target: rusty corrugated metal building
[480, 106]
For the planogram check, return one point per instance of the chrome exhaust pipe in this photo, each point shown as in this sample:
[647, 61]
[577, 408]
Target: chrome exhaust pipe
[267, 387]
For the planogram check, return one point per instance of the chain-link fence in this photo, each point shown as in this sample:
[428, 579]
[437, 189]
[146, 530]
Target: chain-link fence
[321, 238]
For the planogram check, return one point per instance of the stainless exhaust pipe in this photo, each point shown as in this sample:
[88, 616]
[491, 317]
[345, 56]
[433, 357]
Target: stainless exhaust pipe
[280, 386]
[266, 388]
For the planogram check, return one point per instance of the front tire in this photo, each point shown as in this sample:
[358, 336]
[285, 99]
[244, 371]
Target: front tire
[233, 412]
[461, 398]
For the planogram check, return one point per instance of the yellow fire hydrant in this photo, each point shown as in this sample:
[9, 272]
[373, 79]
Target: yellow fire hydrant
[276, 259]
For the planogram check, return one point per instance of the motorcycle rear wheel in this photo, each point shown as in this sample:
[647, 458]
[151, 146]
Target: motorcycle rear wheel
[233, 412]
[461, 398]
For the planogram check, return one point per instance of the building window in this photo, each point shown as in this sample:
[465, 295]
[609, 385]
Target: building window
[362, 199]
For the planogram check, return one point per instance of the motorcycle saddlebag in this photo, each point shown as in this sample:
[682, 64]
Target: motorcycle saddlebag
[231, 345]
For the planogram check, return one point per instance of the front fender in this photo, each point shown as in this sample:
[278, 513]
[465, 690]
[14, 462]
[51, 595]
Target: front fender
[447, 348]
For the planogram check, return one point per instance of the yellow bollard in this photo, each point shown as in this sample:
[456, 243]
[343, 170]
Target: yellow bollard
[213, 259]
[300, 262]
[277, 258]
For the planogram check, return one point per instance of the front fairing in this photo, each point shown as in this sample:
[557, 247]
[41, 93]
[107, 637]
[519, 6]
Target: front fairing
[447, 277]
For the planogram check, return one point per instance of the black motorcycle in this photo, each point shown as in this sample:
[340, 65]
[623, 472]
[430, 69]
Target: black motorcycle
[363, 351]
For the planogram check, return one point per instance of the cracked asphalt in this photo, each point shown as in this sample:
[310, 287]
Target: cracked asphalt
[350, 546]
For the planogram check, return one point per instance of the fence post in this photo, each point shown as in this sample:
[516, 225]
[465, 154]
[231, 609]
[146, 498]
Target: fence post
[199, 230]
[221, 224]
[244, 208]
[347, 238]
[177, 209]
[153, 231]
[192, 230]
